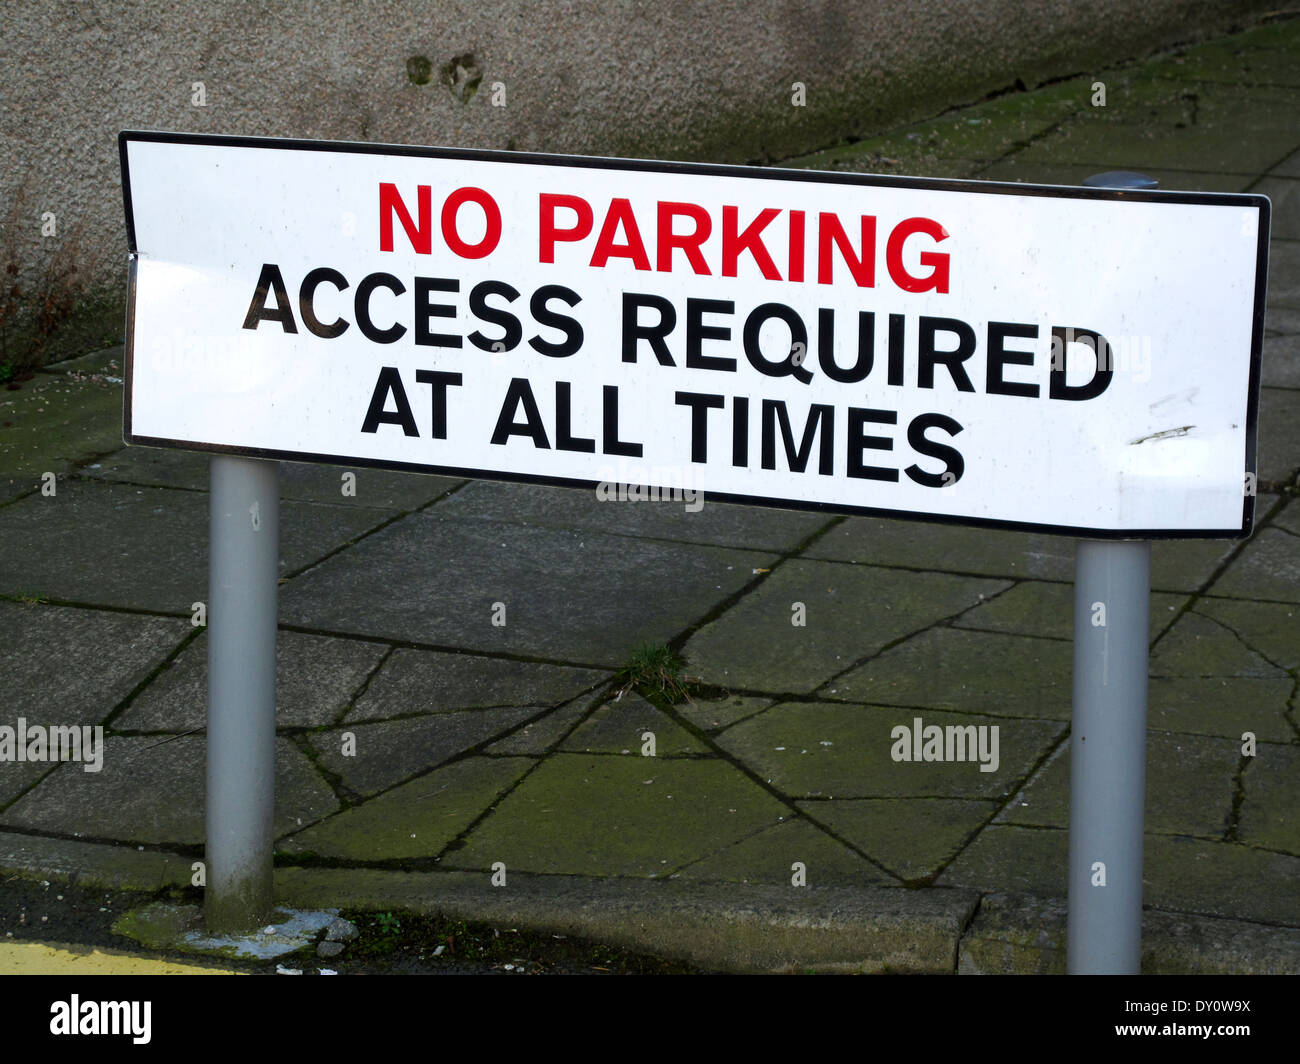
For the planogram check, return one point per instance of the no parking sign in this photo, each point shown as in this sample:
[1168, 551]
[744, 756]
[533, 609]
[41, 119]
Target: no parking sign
[1079, 360]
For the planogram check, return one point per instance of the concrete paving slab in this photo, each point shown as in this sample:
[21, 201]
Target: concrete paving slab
[617, 727]
[93, 864]
[57, 421]
[1288, 167]
[1222, 706]
[372, 489]
[17, 777]
[1268, 568]
[1195, 876]
[717, 523]
[1015, 934]
[149, 549]
[1019, 860]
[1273, 631]
[769, 857]
[825, 750]
[1280, 366]
[381, 755]
[915, 545]
[417, 819]
[1175, 566]
[1283, 273]
[1175, 944]
[1270, 810]
[1281, 321]
[1279, 434]
[1191, 781]
[1187, 564]
[152, 791]
[1288, 518]
[910, 837]
[49, 652]
[428, 681]
[714, 925]
[716, 714]
[1232, 62]
[1047, 610]
[983, 132]
[565, 594]
[949, 668]
[1026, 935]
[1164, 123]
[851, 611]
[1181, 874]
[1199, 644]
[316, 677]
[541, 736]
[586, 814]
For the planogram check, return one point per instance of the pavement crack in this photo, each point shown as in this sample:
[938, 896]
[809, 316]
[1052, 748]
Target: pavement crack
[166, 663]
[1233, 820]
[356, 696]
[964, 930]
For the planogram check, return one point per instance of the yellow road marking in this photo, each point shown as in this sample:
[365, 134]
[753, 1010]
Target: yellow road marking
[40, 958]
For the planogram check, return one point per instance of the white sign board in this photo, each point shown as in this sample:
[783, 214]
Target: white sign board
[1084, 361]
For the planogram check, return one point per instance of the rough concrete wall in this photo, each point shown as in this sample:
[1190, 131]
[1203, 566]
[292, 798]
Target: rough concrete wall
[652, 79]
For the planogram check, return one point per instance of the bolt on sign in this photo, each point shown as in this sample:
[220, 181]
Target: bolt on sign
[1084, 361]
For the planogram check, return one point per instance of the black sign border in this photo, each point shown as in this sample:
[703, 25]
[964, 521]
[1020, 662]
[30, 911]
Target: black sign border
[1240, 199]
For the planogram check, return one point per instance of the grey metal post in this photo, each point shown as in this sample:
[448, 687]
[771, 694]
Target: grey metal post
[243, 593]
[1112, 600]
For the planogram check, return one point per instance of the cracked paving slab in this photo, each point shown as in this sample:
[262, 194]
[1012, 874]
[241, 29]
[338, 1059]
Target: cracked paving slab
[851, 611]
[911, 838]
[716, 523]
[57, 420]
[1180, 874]
[50, 650]
[416, 819]
[1190, 784]
[1199, 645]
[373, 757]
[619, 725]
[149, 549]
[1269, 632]
[315, 678]
[371, 489]
[831, 750]
[152, 791]
[566, 594]
[588, 814]
[430, 681]
[769, 857]
[1041, 609]
[1221, 706]
[1148, 123]
[539, 737]
[952, 669]
[1270, 808]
